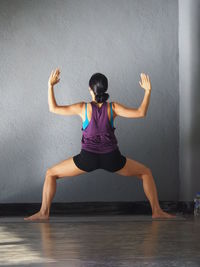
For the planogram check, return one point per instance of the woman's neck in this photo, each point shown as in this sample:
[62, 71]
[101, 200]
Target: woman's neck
[98, 104]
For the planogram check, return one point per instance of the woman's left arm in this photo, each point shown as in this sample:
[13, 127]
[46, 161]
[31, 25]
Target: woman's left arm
[146, 84]
[74, 109]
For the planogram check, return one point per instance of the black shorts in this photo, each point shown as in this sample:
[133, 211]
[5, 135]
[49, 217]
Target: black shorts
[90, 161]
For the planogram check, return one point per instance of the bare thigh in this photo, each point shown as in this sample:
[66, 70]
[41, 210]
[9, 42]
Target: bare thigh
[65, 168]
[133, 168]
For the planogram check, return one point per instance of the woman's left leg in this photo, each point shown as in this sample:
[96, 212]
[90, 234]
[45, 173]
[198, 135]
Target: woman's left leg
[64, 168]
[135, 168]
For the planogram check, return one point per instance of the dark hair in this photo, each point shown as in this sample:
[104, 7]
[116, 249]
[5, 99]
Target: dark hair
[99, 85]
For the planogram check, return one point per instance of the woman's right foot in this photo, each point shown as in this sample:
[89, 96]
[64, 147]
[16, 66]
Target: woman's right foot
[162, 214]
[37, 216]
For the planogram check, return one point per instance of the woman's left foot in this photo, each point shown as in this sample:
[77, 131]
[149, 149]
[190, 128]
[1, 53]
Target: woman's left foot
[37, 216]
[162, 214]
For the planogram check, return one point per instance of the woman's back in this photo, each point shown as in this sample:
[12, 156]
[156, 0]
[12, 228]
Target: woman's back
[98, 129]
[87, 113]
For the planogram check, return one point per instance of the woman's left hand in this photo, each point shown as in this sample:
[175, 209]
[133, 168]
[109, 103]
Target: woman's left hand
[146, 84]
[54, 77]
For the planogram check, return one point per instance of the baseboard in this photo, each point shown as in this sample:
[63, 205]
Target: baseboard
[96, 208]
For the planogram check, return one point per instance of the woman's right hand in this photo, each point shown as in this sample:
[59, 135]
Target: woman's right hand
[146, 83]
[54, 77]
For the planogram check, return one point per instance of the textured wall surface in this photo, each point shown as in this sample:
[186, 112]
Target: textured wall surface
[189, 81]
[118, 38]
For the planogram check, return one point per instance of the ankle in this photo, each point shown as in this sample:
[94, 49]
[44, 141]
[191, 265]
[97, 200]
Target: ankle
[44, 212]
[156, 210]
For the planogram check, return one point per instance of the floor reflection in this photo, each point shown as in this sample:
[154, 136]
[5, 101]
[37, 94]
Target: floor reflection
[15, 250]
[92, 243]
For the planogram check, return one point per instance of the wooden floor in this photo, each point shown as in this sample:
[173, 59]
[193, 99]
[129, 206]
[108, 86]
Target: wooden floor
[124, 240]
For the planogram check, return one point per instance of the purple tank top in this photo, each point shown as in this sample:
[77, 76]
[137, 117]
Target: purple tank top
[98, 136]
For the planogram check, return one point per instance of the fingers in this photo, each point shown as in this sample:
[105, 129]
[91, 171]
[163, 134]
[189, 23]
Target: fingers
[56, 72]
[144, 77]
[145, 81]
[54, 76]
[51, 74]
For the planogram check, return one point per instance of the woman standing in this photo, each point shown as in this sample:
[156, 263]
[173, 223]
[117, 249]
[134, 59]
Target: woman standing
[99, 145]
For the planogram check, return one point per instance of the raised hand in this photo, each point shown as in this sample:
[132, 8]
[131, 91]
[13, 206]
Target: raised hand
[54, 77]
[146, 84]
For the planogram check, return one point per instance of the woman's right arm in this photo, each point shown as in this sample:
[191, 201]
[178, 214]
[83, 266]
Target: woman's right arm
[123, 111]
[51, 98]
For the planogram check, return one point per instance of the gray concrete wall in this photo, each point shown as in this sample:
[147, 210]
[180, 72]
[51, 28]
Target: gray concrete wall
[118, 38]
[189, 78]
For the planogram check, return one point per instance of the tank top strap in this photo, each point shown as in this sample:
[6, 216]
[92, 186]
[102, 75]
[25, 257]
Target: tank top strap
[111, 114]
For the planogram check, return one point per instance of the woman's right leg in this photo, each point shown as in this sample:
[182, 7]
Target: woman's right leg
[134, 168]
[63, 169]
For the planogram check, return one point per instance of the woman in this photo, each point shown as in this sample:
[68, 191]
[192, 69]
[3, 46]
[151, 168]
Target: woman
[99, 144]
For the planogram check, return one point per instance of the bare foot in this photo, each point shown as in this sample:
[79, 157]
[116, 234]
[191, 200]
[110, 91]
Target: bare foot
[162, 214]
[37, 216]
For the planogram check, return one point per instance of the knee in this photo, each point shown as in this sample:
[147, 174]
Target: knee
[148, 171]
[50, 173]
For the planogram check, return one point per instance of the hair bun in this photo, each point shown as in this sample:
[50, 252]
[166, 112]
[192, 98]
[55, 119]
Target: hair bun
[102, 97]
